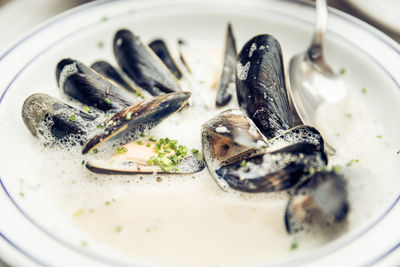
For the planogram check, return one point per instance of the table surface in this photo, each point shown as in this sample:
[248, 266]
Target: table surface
[16, 27]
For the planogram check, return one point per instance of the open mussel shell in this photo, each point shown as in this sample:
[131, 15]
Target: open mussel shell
[228, 69]
[90, 88]
[319, 203]
[273, 171]
[190, 164]
[227, 135]
[160, 48]
[142, 65]
[107, 70]
[260, 85]
[49, 118]
[132, 120]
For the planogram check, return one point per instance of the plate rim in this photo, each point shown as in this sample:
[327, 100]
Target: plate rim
[368, 28]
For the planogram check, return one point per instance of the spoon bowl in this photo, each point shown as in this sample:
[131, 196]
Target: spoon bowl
[313, 83]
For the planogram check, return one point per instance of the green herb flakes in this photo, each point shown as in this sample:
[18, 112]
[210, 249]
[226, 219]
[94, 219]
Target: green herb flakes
[152, 138]
[79, 212]
[86, 109]
[83, 162]
[294, 246]
[107, 203]
[349, 115]
[140, 142]
[72, 118]
[342, 71]
[243, 163]
[21, 194]
[100, 126]
[142, 135]
[121, 150]
[336, 168]
[84, 244]
[379, 136]
[128, 116]
[148, 144]
[95, 151]
[107, 101]
[195, 151]
[100, 44]
[118, 229]
[364, 90]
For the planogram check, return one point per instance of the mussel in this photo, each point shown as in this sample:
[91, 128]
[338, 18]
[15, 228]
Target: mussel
[260, 85]
[134, 119]
[273, 171]
[319, 203]
[90, 88]
[142, 65]
[109, 71]
[227, 135]
[54, 121]
[228, 69]
[160, 48]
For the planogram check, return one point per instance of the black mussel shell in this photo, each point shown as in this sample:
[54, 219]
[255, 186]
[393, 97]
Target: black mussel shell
[107, 70]
[145, 114]
[273, 171]
[90, 88]
[228, 69]
[140, 63]
[261, 87]
[48, 117]
[320, 202]
[160, 48]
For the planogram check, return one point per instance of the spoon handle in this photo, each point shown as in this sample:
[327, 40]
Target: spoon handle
[320, 22]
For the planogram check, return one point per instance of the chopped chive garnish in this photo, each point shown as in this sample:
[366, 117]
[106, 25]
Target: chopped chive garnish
[294, 246]
[21, 194]
[100, 126]
[118, 229]
[148, 144]
[79, 212]
[107, 203]
[72, 118]
[336, 168]
[121, 150]
[106, 115]
[152, 138]
[379, 136]
[364, 90]
[83, 162]
[86, 109]
[167, 150]
[128, 116]
[95, 151]
[140, 142]
[195, 151]
[142, 135]
[349, 115]
[84, 244]
[342, 71]
[138, 94]
[243, 163]
[107, 101]
[100, 44]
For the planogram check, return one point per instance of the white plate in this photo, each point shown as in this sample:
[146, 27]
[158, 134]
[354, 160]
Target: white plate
[383, 12]
[28, 234]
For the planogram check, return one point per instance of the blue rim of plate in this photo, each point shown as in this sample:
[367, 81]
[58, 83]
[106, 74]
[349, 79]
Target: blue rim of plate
[305, 259]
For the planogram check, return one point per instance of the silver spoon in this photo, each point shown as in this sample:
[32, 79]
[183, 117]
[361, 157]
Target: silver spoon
[313, 82]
